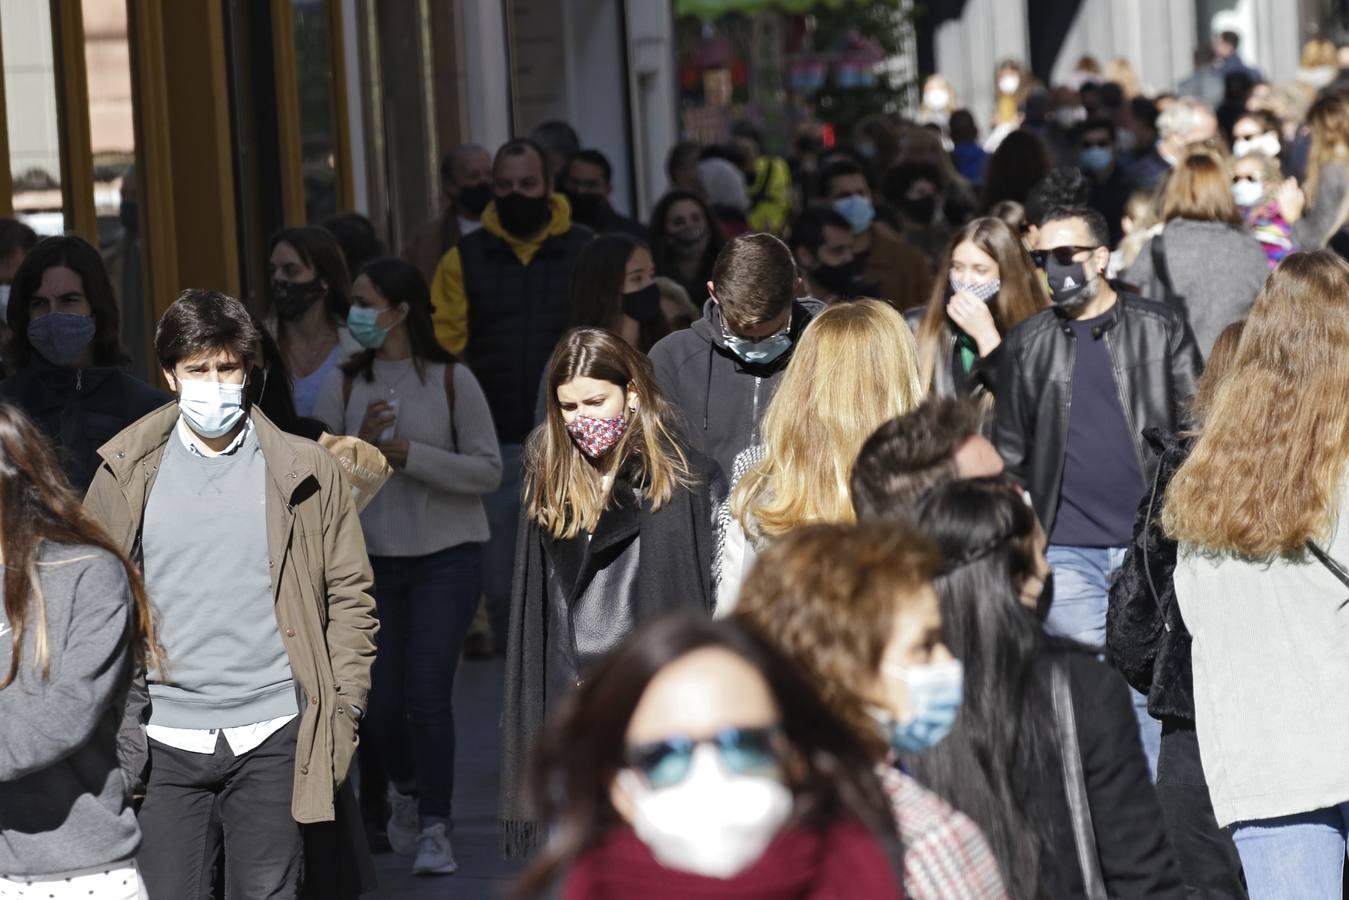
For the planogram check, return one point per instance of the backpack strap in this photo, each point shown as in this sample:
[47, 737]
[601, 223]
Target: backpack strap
[1160, 268]
[346, 392]
[449, 400]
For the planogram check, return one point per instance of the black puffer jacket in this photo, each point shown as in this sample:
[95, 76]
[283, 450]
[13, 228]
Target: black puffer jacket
[1146, 638]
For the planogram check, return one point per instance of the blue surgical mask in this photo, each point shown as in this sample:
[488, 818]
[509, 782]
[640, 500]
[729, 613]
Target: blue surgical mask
[761, 352]
[857, 210]
[363, 324]
[1096, 159]
[211, 408]
[61, 338]
[935, 692]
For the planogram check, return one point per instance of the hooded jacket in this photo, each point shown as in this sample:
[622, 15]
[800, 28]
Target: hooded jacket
[502, 302]
[721, 398]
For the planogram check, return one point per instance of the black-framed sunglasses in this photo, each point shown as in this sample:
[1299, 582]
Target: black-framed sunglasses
[743, 751]
[1062, 255]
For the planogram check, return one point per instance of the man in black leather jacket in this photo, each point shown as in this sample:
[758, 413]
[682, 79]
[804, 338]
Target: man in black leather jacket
[1081, 381]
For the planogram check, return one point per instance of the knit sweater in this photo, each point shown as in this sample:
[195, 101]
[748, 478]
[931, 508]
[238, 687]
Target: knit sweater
[435, 501]
[63, 800]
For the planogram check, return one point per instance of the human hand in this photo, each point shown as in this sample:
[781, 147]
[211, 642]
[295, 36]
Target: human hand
[975, 319]
[395, 451]
[1291, 200]
[379, 415]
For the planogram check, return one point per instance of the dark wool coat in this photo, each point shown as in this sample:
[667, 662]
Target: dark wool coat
[671, 570]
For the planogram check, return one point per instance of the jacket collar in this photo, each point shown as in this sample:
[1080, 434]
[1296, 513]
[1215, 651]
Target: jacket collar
[145, 440]
[576, 560]
[559, 223]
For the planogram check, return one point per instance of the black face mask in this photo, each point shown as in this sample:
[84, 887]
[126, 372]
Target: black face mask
[522, 216]
[838, 280]
[474, 198]
[292, 299]
[921, 210]
[643, 305]
[1069, 286]
[588, 209]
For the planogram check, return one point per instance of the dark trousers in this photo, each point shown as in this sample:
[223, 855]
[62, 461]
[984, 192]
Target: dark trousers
[426, 604]
[198, 803]
[1208, 858]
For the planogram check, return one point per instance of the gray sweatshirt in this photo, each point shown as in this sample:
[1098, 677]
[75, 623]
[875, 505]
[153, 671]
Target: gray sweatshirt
[63, 800]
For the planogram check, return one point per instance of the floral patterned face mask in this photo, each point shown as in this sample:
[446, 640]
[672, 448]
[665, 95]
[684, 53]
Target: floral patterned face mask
[597, 437]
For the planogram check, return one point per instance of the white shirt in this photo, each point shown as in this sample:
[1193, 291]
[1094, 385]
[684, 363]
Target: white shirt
[241, 738]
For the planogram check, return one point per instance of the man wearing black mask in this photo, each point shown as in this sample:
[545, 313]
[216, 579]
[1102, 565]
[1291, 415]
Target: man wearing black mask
[588, 184]
[822, 242]
[501, 300]
[465, 191]
[1080, 382]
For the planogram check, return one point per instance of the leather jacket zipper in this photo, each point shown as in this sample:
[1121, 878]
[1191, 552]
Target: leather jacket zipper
[1124, 405]
[79, 379]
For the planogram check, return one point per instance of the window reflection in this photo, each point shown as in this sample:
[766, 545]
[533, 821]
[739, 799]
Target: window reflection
[31, 110]
[315, 80]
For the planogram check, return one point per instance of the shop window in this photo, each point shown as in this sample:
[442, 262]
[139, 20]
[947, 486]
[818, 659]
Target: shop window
[31, 111]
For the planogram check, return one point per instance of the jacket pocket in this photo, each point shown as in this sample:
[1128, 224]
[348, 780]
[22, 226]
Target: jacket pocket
[346, 737]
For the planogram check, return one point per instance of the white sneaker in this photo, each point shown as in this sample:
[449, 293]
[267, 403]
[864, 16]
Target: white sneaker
[433, 853]
[403, 823]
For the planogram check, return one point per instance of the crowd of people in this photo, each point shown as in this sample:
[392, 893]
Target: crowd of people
[919, 516]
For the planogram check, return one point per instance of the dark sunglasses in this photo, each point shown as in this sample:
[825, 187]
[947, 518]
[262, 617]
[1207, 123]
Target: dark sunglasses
[743, 751]
[1252, 178]
[1062, 255]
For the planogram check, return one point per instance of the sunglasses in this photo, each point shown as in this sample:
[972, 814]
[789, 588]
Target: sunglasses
[732, 337]
[743, 751]
[1061, 255]
[1251, 178]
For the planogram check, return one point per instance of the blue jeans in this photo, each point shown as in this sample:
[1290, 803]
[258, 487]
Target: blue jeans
[1082, 579]
[1298, 856]
[498, 558]
[426, 604]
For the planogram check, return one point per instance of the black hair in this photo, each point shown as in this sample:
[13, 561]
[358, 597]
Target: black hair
[1095, 222]
[270, 390]
[1144, 111]
[838, 168]
[595, 158]
[963, 129]
[747, 130]
[681, 154]
[78, 255]
[555, 135]
[522, 147]
[356, 237]
[202, 321]
[1098, 123]
[1018, 164]
[1112, 95]
[399, 281]
[660, 242]
[1232, 38]
[897, 180]
[1063, 186]
[807, 229]
[452, 156]
[582, 745]
[597, 287]
[15, 235]
[1003, 748]
[318, 248]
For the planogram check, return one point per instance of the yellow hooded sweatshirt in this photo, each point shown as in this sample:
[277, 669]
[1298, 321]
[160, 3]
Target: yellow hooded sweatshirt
[449, 301]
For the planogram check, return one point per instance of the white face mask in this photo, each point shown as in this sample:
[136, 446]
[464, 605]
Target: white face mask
[710, 824]
[1267, 143]
[1009, 83]
[1248, 193]
[211, 408]
[936, 98]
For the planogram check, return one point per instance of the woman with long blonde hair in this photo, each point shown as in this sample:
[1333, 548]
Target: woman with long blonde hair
[986, 286]
[616, 529]
[75, 630]
[1259, 510]
[1325, 192]
[854, 368]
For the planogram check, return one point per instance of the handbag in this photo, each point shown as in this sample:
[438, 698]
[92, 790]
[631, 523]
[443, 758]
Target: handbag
[1329, 562]
[1075, 784]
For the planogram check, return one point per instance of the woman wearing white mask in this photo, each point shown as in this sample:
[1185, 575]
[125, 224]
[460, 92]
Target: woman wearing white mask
[616, 529]
[1255, 187]
[424, 531]
[855, 608]
[699, 762]
[1257, 131]
[939, 99]
[1024, 694]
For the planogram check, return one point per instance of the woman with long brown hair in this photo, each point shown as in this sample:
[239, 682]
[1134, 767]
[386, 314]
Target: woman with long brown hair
[986, 286]
[1259, 510]
[1325, 191]
[76, 625]
[616, 528]
[1205, 261]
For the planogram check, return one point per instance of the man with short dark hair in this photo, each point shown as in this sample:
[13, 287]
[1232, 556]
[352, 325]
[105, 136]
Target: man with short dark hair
[588, 183]
[722, 372]
[1110, 187]
[465, 191]
[501, 299]
[901, 272]
[681, 167]
[559, 142]
[1080, 383]
[822, 242]
[940, 441]
[254, 559]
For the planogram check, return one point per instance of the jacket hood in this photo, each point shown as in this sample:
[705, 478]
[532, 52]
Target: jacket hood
[559, 222]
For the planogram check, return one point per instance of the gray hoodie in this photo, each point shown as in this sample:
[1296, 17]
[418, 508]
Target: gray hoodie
[722, 399]
[63, 799]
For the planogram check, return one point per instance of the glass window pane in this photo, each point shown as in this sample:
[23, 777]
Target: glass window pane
[31, 110]
[314, 77]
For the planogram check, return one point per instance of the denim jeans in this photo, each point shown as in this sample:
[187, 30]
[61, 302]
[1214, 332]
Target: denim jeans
[426, 604]
[1082, 579]
[1300, 856]
[498, 559]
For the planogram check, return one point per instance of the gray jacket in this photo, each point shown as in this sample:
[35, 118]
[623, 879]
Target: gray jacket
[1216, 270]
[63, 799]
[722, 399]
